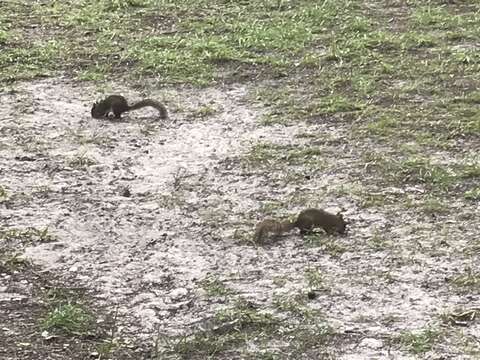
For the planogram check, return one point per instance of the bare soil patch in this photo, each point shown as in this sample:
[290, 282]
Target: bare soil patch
[144, 213]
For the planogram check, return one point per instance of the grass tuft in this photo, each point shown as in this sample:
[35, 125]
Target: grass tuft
[419, 342]
[69, 318]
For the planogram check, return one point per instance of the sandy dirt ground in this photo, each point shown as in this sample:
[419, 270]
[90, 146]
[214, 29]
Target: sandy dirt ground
[143, 210]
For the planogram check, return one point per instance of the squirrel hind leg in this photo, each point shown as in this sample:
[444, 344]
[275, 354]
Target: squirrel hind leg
[329, 231]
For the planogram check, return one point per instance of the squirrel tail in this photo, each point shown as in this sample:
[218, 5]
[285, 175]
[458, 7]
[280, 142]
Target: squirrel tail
[149, 102]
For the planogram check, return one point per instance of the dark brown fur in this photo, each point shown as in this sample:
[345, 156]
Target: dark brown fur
[307, 220]
[316, 218]
[118, 105]
[270, 226]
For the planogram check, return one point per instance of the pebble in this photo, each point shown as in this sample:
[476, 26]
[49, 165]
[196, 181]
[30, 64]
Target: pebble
[178, 293]
[371, 343]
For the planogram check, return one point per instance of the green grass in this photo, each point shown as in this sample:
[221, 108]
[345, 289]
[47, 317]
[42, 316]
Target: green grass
[27, 235]
[80, 161]
[420, 170]
[272, 156]
[231, 328]
[185, 42]
[3, 193]
[70, 318]
[434, 206]
[66, 313]
[214, 287]
[13, 261]
[329, 244]
[419, 342]
[237, 328]
[473, 194]
[469, 280]
[296, 307]
[204, 111]
[344, 64]
[314, 278]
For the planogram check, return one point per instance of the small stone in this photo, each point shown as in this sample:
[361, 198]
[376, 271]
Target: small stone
[178, 293]
[150, 206]
[125, 191]
[371, 343]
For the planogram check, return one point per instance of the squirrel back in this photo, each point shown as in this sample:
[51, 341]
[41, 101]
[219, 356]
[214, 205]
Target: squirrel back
[314, 218]
[274, 227]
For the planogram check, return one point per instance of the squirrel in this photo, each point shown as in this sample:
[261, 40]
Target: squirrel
[118, 105]
[271, 226]
[306, 221]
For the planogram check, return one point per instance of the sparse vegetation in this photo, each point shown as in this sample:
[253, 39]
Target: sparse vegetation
[242, 325]
[419, 342]
[3, 193]
[461, 317]
[95, 137]
[80, 161]
[71, 318]
[11, 262]
[229, 328]
[473, 194]
[26, 236]
[414, 170]
[329, 244]
[205, 111]
[61, 322]
[275, 157]
[379, 241]
[280, 281]
[314, 278]
[296, 306]
[434, 206]
[215, 287]
[469, 279]
[370, 106]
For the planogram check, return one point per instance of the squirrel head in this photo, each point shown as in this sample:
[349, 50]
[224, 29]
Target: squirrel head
[95, 112]
[342, 224]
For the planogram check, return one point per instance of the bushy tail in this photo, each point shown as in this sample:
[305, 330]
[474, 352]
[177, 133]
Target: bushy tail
[155, 104]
